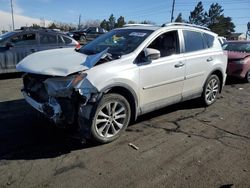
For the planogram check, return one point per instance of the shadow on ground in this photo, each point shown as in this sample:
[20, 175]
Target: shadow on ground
[233, 80]
[24, 136]
[11, 75]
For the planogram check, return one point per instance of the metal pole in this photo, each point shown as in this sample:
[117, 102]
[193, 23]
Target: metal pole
[79, 24]
[13, 24]
[172, 13]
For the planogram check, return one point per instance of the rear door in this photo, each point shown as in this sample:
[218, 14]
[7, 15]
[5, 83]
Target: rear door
[198, 60]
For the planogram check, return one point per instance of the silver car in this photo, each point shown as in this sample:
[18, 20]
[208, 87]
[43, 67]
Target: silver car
[16, 45]
[122, 74]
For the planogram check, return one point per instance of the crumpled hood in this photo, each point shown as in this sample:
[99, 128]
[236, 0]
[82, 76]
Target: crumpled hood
[58, 62]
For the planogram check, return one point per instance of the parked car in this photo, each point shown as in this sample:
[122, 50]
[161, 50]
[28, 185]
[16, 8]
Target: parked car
[86, 35]
[122, 74]
[16, 45]
[238, 59]
[222, 40]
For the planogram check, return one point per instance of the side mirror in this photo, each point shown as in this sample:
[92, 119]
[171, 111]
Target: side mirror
[152, 54]
[9, 45]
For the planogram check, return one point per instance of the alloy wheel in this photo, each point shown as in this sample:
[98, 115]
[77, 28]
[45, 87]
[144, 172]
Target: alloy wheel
[110, 119]
[212, 90]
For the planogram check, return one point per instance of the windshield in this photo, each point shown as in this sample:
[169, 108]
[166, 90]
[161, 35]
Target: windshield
[237, 46]
[118, 42]
[5, 35]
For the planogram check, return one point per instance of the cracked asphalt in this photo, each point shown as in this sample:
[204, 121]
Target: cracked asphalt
[184, 145]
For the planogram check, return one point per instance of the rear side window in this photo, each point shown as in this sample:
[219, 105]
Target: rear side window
[193, 41]
[60, 40]
[25, 39]
[48, 39]
[67, 40]
[209, 40]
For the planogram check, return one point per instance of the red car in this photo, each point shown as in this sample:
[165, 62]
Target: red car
[238, 59]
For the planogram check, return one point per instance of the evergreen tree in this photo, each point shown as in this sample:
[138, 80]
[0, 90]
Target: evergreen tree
[111, 22]
[104, 24]
[120, 22]
[217, 22]
[179, 18]
[131, 22]
[197, 15]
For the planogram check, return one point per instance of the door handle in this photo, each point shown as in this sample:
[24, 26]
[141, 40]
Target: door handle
[180, 64]
[210, 59]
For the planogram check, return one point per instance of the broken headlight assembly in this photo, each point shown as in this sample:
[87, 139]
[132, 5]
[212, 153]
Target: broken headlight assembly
[63, 86]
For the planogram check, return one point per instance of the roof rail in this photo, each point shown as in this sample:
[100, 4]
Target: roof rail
[185, 24]
[134, 25]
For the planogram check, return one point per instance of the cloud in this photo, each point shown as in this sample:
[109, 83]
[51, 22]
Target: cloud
[20, 20]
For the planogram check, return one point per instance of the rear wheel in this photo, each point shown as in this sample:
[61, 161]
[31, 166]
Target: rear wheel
[111, 118]
[247, 78]
[211, 90]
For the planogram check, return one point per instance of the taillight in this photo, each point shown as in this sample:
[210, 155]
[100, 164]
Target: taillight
[78, 46]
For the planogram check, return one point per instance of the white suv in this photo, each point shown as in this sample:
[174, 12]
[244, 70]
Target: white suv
[122, 74]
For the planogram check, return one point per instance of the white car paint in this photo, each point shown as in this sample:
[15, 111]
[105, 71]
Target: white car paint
[155, 84]
[58, 62]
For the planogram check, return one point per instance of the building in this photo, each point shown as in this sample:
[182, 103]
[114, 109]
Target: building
[237, 36]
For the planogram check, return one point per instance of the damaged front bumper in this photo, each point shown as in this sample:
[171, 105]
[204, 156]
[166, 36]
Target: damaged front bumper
[59, 98]
[51, 109]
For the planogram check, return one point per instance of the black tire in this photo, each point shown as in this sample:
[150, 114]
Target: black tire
[247, 78]
[115, 119]
[209, 96]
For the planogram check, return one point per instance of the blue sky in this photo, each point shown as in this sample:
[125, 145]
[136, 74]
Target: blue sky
[157, 11]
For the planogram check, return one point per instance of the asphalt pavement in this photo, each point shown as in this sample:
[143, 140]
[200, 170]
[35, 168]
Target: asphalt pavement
[183, 145]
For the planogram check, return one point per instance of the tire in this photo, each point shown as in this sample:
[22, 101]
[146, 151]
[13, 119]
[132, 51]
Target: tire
[111, 118]
[247, 78]
[211, 90]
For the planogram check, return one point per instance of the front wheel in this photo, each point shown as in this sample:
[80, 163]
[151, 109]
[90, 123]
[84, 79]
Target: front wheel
[111, 118]
[247, 78]
[211, 90]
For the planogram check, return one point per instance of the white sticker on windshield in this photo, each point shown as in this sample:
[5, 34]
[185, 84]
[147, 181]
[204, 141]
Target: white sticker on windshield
[137, 34]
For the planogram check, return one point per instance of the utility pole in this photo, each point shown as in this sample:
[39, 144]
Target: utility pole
[11, 5]
[79, 24]
[172, 13]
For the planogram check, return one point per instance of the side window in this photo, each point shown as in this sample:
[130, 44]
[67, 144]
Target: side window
[167, 44]
[209, 40]
[60, 40]
[67, 40]
[193, 41]
[93, 30]
[48, 39]
[25, 39]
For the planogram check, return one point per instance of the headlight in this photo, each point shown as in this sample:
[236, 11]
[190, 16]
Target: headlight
[63, 86]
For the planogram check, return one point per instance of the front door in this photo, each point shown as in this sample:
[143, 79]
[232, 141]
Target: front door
[161, 80]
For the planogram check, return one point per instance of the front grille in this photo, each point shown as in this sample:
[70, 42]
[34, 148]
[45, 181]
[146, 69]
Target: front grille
[34, 86]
